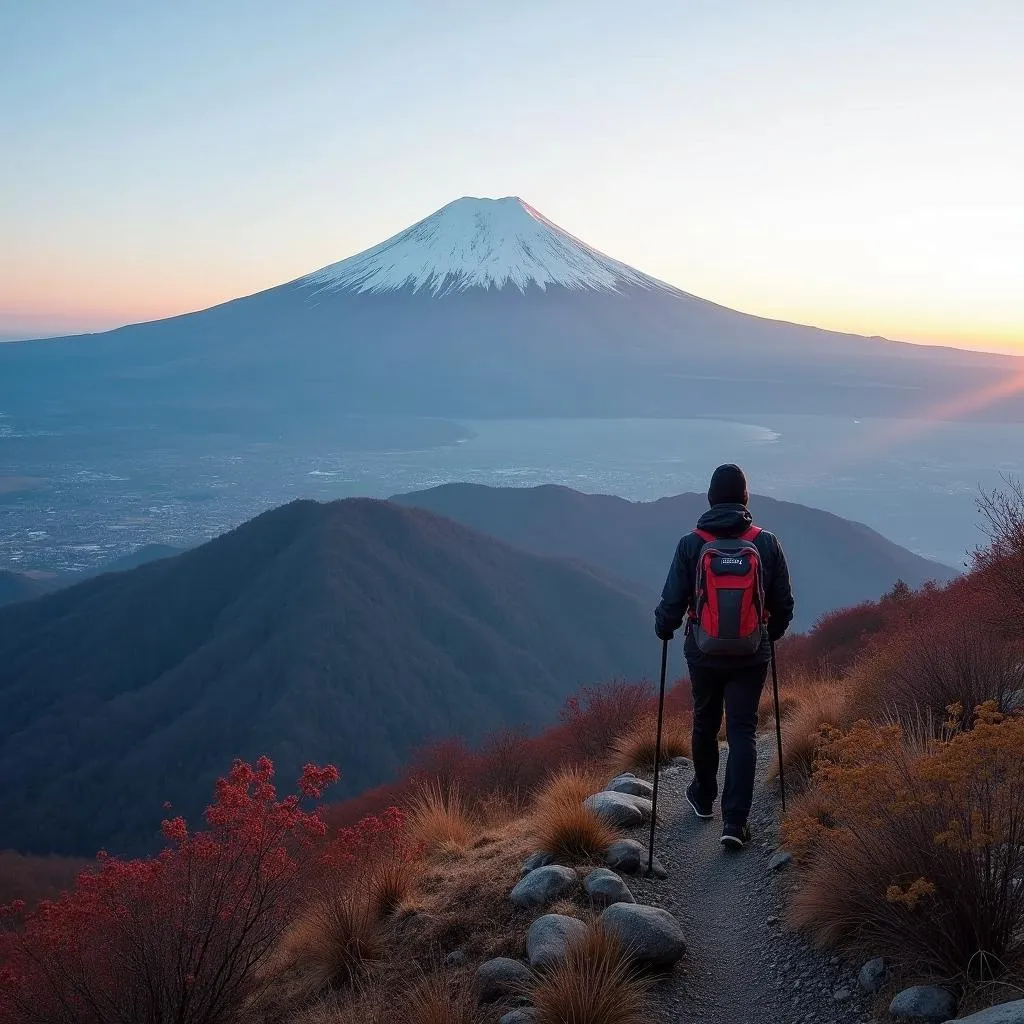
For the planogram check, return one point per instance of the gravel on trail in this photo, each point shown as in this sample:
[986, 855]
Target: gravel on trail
[742, 964]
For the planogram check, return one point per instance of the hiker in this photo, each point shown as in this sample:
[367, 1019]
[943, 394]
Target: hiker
[730, 581]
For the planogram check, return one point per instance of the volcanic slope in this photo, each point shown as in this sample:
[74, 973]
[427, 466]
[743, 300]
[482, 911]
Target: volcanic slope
[347, 632]
[484, 308]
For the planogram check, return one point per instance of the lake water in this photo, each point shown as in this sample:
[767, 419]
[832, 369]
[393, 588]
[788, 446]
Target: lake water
[79, 504]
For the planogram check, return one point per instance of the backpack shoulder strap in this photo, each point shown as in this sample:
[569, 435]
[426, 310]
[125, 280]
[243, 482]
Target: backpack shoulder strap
[704, 535]
[750, 533]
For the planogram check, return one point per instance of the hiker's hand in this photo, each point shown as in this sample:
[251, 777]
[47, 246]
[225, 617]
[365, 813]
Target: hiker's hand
[662, 633]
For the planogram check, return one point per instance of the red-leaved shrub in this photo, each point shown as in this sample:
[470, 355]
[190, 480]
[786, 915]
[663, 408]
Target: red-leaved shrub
[173, 938]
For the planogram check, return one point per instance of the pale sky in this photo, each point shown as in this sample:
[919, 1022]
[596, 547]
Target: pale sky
[855, 165]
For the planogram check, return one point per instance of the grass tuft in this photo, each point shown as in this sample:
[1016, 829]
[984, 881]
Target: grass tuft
[634, 750]
[334, 939]
[438, 820]
[440, 1000]
[596, 983]
[820, 706]
[562, 825]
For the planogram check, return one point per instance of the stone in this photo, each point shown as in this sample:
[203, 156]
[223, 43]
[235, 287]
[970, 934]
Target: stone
[540, 859]
[605, 888]
[680, 762]
[543, 886]
[630, 857]
[456, 958]
[649, 934]
[619, 778]
[780, 860]
[617, 809]
[923, 1002]
[524, 1015]
[549, 936]
[1005, 1013]
[631, 787]
[841, 995]
[642, 803]
[872, 975]
[500, 977]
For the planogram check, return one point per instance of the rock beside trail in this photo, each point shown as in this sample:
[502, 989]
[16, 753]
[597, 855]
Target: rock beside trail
[648, 934]
[642, 803]
[543, 886]
[549, 936]
[617, 809]
[540, 859]
[1005, 1013]
[780, 860]
[631, 787]
[872, 975]
[630, 857]
[923, 1002]
[605, 888]
[456, 958]
[524, 1015]
[620, 777]
[500, 977]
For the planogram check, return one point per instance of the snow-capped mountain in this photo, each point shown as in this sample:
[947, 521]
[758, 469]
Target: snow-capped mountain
[480, 243]
[483, 309]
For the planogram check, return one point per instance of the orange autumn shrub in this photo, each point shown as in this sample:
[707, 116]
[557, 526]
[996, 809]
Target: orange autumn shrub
[817, 708]
[914, 854]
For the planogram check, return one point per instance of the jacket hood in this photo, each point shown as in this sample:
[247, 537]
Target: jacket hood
[725, 520]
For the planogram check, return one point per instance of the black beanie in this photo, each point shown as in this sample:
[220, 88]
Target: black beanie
[728, 486]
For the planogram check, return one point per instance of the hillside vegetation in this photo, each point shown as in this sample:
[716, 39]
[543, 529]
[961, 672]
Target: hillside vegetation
[356, 627]
[905, 737]
[836, 562]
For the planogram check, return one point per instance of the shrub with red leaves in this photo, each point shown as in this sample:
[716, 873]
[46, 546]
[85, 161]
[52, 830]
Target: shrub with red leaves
[173, 938]
[597, 716]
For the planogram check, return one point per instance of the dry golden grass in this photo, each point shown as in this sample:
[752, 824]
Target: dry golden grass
[570, 784]
[564, 827]
[462, 900]
[634, 750]
[440, 999]
[594, 984]
[561, 825]
[392, 882]
[789, 701]
[438, 820]
[333, 940]
[826, 704]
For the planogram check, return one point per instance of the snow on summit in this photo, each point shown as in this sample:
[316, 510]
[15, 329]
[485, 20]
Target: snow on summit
[479, 243]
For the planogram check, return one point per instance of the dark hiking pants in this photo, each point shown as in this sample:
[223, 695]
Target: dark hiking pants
[738, 691]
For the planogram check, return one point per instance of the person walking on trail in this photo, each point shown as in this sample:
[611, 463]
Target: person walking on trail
[730, 582]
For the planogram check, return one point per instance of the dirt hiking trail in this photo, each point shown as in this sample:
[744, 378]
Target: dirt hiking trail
[742, 966]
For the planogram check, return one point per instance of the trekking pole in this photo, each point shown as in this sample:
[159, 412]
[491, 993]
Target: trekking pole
[778, 728]
[657, 754]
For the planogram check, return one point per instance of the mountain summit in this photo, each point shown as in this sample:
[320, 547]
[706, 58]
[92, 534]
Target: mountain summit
[479, 243]
[483, 309]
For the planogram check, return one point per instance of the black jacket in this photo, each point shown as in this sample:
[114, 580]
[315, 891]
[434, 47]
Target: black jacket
[725, 521]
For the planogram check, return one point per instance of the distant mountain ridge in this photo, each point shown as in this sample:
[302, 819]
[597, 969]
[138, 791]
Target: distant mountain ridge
[835, 562]
[347, 632]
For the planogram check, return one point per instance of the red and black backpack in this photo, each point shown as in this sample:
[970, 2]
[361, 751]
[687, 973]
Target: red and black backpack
[728, 605]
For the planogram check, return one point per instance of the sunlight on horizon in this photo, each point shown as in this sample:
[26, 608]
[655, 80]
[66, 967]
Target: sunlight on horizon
[854, 169]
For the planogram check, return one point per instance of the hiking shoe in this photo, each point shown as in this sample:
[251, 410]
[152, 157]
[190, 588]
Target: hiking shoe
[701, 810]
[735, 836]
